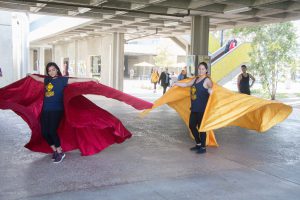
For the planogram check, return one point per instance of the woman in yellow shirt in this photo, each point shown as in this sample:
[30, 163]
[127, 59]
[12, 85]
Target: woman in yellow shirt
[154, 78]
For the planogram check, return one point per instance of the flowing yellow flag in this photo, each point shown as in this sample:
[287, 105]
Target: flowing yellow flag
[226, 108]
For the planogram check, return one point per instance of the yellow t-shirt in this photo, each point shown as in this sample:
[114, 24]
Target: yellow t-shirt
[154, 77]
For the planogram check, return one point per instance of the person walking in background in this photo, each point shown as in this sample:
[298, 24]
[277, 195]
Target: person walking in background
[131, 73]
[154, 78]
[243, 82]
[174, 78]
[227, 46]
[53, 107]
[164, 80]
[232, 45]
[235, 42]
[66, 69]
[201, 88]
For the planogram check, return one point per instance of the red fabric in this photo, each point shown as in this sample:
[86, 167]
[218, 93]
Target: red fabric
[232, 45]
[85, 126]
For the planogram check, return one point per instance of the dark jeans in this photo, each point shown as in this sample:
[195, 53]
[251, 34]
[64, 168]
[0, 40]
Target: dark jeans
[50, 121]
[194, 124]
[165, 88]
[155, 85]
[245, 91]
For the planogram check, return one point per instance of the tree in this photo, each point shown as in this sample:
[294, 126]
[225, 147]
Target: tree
[273, 52]
[163, 59]
[295, 67]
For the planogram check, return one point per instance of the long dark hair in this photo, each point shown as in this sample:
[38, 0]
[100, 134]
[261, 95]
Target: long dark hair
[205, 65]
[56, 67]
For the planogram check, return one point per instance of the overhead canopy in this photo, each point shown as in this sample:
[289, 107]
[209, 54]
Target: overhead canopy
[144, 64]
[140, 18]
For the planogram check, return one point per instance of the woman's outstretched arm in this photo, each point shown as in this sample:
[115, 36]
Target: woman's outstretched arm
[80, 80]
[188, 84]
[37, 78]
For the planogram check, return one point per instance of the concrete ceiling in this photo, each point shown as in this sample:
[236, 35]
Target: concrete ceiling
[141, 18]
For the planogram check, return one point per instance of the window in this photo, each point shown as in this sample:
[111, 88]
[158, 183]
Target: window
[96, 66]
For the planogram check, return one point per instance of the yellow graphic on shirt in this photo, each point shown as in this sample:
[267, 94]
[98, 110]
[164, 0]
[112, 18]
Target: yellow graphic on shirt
[193, 93]
[49, 92]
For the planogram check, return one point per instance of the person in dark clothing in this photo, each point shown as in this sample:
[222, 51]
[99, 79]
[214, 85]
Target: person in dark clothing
[201, 88]
[53, 107]
[243, 82]
[232, 45]
[227, 46]
[235, 42]
[164, 80]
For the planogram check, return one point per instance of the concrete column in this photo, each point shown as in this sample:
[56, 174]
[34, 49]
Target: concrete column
[105, 52]
[25, 46]
[20, 28]
[188, 50]
[118, 60]
[53, 52]
[47, 56]
[76, 59]
[112, 60]
[6, 50]
[199, 39]
[42, 63]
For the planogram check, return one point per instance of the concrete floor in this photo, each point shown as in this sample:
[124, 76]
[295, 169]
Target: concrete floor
[156, 162]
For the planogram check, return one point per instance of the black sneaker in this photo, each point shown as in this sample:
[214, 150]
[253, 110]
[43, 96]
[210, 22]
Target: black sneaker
[59, 157]
[201, 150]
[54, 155]
[195, 148]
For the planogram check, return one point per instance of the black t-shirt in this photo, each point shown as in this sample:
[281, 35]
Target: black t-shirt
[199, 97]
[244, 84]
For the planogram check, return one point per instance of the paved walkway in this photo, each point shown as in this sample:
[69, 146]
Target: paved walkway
[156, 162]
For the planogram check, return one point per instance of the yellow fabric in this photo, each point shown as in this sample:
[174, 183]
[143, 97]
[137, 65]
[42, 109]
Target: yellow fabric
[179, 99]
[154, 77]
[226, 108]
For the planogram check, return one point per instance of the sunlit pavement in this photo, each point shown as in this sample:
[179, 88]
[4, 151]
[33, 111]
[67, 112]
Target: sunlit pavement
[156, 162]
